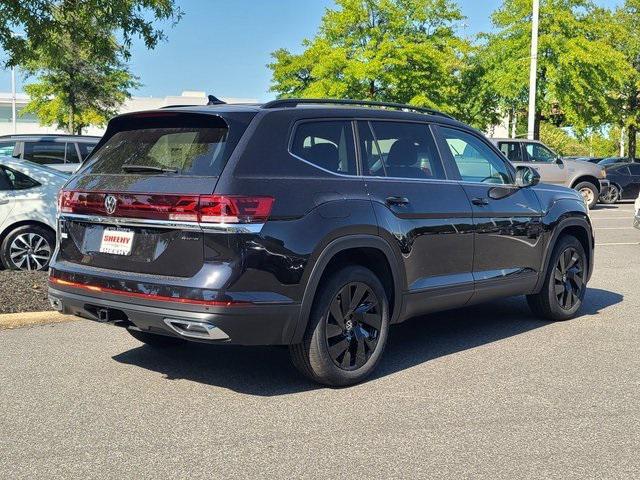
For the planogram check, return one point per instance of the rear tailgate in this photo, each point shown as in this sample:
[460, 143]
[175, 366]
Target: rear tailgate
[116, 215]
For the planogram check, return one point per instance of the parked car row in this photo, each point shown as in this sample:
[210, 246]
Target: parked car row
[588, 179]
[61, 152]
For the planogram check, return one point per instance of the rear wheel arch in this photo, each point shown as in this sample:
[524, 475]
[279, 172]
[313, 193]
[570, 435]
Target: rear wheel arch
[369, 251]
[19, 228]
[23, 223]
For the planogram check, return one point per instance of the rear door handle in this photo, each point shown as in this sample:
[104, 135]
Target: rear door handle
[480, 202]
[3, 201]
[397, 201]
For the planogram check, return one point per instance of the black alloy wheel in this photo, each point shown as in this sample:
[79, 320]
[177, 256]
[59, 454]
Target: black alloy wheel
[347, 329]
[565, 282]
[568, 278]
[612, 195]
[353, 326]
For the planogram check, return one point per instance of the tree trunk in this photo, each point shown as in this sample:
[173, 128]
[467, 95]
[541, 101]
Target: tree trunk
[536, 126]
[71, 127]
[633, 131]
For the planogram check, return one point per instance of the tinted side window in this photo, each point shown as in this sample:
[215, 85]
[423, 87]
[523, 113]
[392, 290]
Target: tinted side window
[401, 150]
[475, 160]
[5, 183]
[86, 149]
[18, 180]
[634, 169]
[512, 151]
[328, 145]
[6, 148]
[539, 153]
[44, 153]
[72, 153]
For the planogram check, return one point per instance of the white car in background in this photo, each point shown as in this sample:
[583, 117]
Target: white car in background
[28, 196]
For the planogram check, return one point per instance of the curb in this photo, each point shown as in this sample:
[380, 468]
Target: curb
[9, 321]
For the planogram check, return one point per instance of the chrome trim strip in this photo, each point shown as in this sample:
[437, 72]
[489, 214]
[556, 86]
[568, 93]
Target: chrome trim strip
[169, 224]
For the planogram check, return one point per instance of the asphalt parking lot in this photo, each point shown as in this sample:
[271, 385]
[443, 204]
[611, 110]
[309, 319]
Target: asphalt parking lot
[483, 392]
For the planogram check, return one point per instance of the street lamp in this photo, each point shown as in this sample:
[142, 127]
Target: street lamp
[13, 90]
[533, 73]
[13, 99]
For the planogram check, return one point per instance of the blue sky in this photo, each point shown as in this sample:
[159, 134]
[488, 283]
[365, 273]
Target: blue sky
[223, 46]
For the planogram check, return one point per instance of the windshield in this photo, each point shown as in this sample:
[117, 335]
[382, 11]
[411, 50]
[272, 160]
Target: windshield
[194, 151]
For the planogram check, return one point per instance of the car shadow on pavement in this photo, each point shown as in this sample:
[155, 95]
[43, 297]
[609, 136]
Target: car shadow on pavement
[266, 371]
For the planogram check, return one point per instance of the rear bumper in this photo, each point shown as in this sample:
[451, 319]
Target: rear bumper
[259, 324]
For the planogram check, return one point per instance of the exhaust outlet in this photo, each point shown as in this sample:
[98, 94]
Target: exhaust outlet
[193, 329]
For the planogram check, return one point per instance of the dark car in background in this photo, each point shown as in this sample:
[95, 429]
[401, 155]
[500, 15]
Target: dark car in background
[62, 152]
[613, 160]
[309, 223]
[625, 182]
[585, 159]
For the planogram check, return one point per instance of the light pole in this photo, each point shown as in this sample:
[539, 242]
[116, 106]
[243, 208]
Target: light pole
[533, 73]
[13, 99]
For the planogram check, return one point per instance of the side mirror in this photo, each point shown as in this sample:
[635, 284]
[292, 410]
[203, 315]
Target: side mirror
[559, 161]
[526, 177]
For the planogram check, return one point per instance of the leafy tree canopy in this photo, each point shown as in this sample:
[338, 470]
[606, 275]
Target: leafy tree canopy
[404, 51]
[77, 50]
[579, 71]
[93, 23]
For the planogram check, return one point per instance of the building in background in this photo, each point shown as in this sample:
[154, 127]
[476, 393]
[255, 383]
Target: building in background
[27, 123]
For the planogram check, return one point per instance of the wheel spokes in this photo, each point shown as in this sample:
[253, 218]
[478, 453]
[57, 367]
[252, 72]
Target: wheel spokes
[336, 312]
[339, 348]
[353, 324]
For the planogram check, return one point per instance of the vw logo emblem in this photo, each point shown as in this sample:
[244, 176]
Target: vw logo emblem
[110, 204]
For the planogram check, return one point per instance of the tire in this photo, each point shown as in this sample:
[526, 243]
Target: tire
[562, 294]
[156, 341]
[344, 343]
[589, 192]
[611, 196]
[28, 247]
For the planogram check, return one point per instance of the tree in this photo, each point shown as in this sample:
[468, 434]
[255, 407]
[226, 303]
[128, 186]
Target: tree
[75, 89]
[40, 21]
[579, 71]
[71, 47]
[391, 50]
[626, 39]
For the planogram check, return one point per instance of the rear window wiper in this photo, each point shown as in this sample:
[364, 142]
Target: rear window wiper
[147, 168]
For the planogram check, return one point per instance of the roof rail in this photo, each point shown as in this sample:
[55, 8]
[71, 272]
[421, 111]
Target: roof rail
[177, 106]
[294, 102]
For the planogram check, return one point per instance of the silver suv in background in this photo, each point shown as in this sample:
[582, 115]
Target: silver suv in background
[62, 152]
[587, 178]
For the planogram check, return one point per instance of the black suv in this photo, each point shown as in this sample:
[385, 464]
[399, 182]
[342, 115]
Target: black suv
[309, 223]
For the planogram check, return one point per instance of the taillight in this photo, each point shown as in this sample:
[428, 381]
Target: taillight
[185, 208]
[234, 209]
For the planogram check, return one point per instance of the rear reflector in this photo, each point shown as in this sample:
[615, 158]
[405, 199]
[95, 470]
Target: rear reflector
[148, 296]
[184, 208]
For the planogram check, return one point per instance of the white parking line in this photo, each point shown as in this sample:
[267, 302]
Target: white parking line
[615, 228]
[613, 244]
[612, 218]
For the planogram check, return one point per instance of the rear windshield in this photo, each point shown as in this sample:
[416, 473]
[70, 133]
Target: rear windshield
[177, 149]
